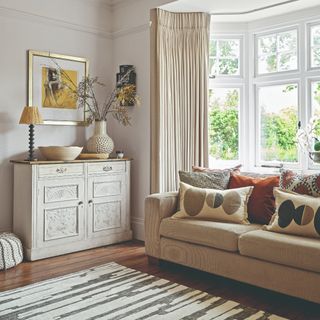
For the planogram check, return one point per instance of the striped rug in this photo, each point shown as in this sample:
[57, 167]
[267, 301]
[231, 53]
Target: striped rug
[115, 292]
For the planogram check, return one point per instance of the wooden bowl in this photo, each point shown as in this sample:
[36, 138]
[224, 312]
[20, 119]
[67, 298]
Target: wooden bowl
[58, 153]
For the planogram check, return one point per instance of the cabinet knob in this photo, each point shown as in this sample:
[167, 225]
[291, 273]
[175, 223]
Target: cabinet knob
[90, 202]
[80, 203]
[107, 168]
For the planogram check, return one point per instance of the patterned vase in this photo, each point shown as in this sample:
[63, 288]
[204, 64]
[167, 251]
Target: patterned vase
[100, 142]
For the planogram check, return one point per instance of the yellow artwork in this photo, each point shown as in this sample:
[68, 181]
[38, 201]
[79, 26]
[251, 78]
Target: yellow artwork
[57, 87]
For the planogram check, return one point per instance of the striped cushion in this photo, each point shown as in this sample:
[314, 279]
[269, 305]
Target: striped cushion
[11, 252]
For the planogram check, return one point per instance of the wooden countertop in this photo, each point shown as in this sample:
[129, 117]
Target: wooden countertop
[72, 161]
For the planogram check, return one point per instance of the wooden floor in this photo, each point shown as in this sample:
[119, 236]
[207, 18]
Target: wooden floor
[131, 254]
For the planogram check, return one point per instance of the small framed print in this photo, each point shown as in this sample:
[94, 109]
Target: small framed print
[52, 80]
[131, 80]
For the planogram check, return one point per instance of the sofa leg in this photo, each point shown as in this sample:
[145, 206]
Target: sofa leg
[153, 260]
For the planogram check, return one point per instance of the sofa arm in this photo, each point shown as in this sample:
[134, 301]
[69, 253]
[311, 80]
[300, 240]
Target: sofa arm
[157, 207]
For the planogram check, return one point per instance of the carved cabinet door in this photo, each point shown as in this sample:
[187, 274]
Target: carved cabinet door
[106, 205]
[61, 211]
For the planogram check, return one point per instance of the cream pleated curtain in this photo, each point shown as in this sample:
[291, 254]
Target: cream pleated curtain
[179, 76]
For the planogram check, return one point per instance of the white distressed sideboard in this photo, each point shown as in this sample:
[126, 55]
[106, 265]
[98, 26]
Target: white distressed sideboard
[62, 207]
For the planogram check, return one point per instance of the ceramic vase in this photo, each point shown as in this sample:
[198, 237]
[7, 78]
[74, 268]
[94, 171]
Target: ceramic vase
[100, 142]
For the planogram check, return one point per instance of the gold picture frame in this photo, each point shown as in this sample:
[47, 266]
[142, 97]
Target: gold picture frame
[40, 65]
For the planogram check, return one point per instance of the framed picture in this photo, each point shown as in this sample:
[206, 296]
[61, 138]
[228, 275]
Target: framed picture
[130, 81]
[52, 79]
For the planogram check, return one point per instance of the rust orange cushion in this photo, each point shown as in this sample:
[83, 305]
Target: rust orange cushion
[261, 205]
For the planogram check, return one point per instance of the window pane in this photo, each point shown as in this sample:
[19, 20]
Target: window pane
[224, 57]
[267, 45]
[212, 66]
[224, 123]
[278, 52]
[213, 48]
[315, 57]
[315, 94]
[287, 61]
[278, 107]
[228, 66]
[315, 46]
[315, 102]
[315, 36]
[267, 64]
[287, 41]
[228, 48]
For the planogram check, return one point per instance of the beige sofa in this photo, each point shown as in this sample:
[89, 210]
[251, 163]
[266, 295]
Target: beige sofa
[284, 263]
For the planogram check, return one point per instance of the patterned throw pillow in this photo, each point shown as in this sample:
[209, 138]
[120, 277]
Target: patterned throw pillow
[216, 205]
[295, 214]
[300, 183]
[210, 180]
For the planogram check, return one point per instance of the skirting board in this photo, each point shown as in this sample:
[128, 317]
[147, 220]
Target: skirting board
[138, 228]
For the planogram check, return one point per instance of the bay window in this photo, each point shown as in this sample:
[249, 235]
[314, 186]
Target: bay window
[257, 100]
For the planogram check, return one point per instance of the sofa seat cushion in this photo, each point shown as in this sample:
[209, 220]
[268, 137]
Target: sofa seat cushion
[218, 235]
[289, 250]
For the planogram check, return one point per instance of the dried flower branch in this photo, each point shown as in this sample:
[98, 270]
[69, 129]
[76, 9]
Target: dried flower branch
[123, 94]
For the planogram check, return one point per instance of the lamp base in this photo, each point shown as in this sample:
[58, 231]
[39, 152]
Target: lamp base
[31, 143]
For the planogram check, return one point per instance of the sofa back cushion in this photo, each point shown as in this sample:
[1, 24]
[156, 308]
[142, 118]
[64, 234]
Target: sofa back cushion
[261, 205]
[235, 169]
[296, 214]
[214, 205]
[258, 175]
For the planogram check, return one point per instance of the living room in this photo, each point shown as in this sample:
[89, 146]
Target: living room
[160, 159]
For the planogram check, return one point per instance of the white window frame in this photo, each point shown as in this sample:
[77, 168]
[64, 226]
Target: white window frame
[271, 32]
[241, 54]
[233, 81]
[309, 48]
[275, 164]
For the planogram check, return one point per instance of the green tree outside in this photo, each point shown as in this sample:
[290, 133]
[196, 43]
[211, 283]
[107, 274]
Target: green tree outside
[278, 141]
[223, 126]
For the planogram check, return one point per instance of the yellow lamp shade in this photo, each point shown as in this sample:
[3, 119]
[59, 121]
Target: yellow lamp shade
[30, 115]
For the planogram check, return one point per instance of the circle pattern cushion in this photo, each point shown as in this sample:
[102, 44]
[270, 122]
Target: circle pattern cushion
[296, 214]
[212, 204]
[11, 253]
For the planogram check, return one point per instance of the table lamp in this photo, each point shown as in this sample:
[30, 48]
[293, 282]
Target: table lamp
[31, 116]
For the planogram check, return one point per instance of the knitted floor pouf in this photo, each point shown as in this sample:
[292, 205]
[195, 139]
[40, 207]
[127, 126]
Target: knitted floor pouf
[11, 252]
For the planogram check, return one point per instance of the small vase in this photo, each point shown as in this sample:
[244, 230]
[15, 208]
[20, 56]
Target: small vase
[100, 142]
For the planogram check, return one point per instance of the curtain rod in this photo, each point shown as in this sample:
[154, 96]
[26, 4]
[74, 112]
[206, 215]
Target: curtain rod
[253, 10]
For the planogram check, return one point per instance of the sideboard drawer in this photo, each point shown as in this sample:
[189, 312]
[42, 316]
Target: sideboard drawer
[63, 170]
[106, 167]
